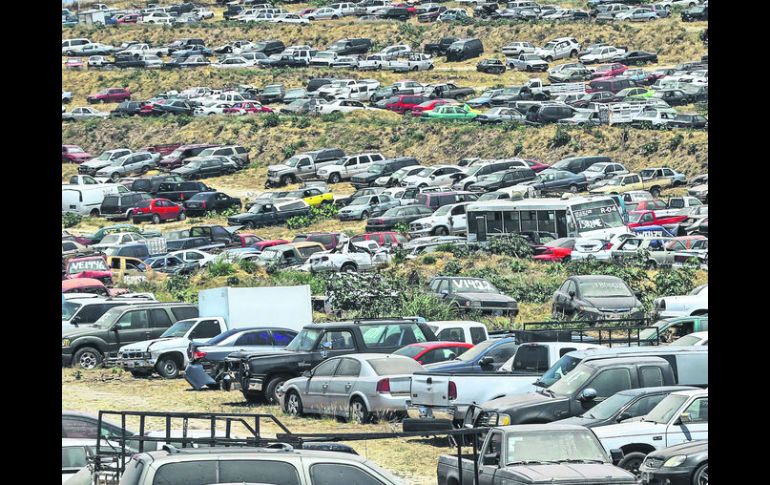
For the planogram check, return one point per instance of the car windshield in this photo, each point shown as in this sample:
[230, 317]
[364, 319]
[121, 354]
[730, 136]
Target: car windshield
[604, 289]
[269, 255]
[558, 370]
[475, 351]
[664, 411]
[443, 210]
[573, 381]
[68, 309]
[389, 366]
[554, 446]
[596, 168]
[600, 214]
[179, 329]
[111, 239]
[607, 408]
[272, 90]
[472, 285]
[360, 201]
[304, 341]
[109, 317]
[193, 164]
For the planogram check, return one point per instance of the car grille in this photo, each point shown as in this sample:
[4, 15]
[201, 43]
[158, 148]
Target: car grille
[483, 420]
[133, 354]
[653, 462]
[495, 304]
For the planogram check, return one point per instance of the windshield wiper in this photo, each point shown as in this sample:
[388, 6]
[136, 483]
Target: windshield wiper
[550, 392]
[533, 462]
[580, 460]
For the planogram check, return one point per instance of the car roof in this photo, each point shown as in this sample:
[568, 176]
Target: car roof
[541, 427]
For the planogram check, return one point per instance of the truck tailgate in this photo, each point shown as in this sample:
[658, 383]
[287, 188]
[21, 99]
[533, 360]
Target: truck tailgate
[430, 389]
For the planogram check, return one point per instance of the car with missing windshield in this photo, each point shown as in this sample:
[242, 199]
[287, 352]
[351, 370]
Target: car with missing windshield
[473, 294]
[595, 298]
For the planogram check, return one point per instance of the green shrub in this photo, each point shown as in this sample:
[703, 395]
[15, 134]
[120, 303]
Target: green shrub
[649, 148]
[560, 138]
[428, 259]
[69, 219]
[331, 117]
[510, 245]
[271, 120]
[298, 222]
[401, 227]
[675, 142]
[248, 266]
[220, 268]
[452, 268]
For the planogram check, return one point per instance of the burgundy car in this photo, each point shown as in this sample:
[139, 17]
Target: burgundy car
[162, 149]
[74, 154]
[404, 102]
[609, 70]
[536, 166]
[110, 95]
[261, 245]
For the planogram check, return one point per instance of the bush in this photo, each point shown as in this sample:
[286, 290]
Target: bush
[70, 220]
[401, 227]
[220, 268]
[649, 148]
[428, 259]
[331, 117]
[452, 268]
[675, 142]
[511, 245]
[560, 138]
[248, 266]
[298, 222]
[271, 120]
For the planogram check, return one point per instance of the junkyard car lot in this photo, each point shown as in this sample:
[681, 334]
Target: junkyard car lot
[295, 175]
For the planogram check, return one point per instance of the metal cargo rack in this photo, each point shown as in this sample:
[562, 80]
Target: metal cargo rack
[109, 462]
[618, 332]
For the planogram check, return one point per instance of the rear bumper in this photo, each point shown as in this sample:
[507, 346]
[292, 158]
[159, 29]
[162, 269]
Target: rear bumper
[423, 418]
[142, 217]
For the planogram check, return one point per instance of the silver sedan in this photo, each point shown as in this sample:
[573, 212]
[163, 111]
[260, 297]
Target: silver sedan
[358, 387]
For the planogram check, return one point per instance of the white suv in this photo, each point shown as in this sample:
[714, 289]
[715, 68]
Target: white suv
[561, 48]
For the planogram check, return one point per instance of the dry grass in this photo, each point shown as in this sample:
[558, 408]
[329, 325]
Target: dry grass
[412, 459]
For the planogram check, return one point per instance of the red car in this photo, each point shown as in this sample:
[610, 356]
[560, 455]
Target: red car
[608, 71]
[247, 107]
[74, 154]
[90, 285]
[432, 352]
[162, 149]
[248, 240]
[640, 218]
[266, 244]
[646, 205]
[157, 210]
[405, 102]
[146, 110]
[384, 238]
[412, 9]
[684, 243]
[429, 105]
[557, 250]
[130, 18]
[89, 267]
[110, 95]
[536, 166]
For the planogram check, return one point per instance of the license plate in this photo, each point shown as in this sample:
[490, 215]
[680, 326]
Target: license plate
[645, 477]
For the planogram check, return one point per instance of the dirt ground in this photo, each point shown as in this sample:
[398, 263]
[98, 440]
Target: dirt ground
[413, 460]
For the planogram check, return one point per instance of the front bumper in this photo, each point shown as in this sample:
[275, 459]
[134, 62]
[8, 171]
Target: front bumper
[349, 216]
[131, 364]
[66, 360]
[665, 476]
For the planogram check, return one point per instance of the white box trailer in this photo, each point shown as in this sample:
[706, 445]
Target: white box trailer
[277, 306]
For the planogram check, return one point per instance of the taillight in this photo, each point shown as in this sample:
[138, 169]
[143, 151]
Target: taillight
[383, 386]
[608, 245]
[198, 355]
[203, 204]
[452, 391]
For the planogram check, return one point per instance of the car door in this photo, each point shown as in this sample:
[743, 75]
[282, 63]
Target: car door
[606, 383]
[132, 326]
[691, 425]
[314, 396]
[458, 219]
[343, 384]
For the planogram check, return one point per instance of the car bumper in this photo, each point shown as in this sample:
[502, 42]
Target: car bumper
[349, 217]
[195, 212]
[666, 476]
[369, 228]
[66, 360]
[422, 418]
[361, 185]
[142, 217]
[131, 364]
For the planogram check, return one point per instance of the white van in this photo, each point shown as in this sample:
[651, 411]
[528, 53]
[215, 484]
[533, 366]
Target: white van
[86, 200]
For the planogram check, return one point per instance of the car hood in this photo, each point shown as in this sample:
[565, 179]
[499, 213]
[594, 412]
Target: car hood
[621, 302]
[597, 473]
[580, 421]
[240, 217]
[278, 168]
[156, 344]
[469, 295]
[81, 155]
[414, 178]
[354, 208]
[183, 169]
[519, 401]
[634, 428]
[95, 164]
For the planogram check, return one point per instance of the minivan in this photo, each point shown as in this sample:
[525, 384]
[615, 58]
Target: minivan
[87, 200]
[120, 206]
[434, 200]
[382, 168]
[133, 250]
[579, 164]
[346, 47]
[464, 49]
[612, 85]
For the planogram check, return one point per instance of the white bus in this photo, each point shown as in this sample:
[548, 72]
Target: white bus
[590, 217]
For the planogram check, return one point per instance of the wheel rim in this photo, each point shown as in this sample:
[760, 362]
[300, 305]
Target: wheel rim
[633, 466]
[292, 405]
[169, 367]
[703, 476]
[88, 360]
[273, 398]
[357, 411]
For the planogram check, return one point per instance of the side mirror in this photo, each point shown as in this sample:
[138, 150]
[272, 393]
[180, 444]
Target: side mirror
[484, 361]
[616, 455]
[491, 459]
[307, 374]
[684, 418]
[587, 394]
[571, 294]
[326, 345]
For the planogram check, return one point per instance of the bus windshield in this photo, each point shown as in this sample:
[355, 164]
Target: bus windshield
[599, 214]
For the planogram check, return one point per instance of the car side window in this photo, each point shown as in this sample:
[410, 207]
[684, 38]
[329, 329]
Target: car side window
[327, 368]
[160, 318]
[260, 337]
[698, 411]
[451, 335]
[348, 368]
[133, 320]
[610, 381]
[206, 329]
[336, 473]
[651, 376]
[502, 352]
[340, 340]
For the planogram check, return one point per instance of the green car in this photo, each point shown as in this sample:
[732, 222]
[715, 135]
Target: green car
[671, 329]
[450, 112]
[99, 235]
[635, 93]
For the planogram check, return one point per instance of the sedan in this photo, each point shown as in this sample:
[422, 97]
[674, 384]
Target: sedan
[596, 298]
[500, 115]
[682, 464]
[636, 58]
[358, 387]
[557, 251]
[203, 202]
[397, 215]
[448, 112]
[171, 265]
[247, 107]
[556, 180]
[83, 112]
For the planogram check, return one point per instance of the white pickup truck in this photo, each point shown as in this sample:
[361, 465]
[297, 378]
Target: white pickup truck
[415, 62]
[537, 87]
[439, 400]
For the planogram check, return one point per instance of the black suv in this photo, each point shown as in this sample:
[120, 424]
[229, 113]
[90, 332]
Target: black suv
[382, 168]
[200, 167]
[579, 164]
[499, 180]
[473, 294]
[203, 202]
[268, 213]
[347, 47]
[181, 191]
[152, 184]
[87, 346]
[260, 375]
[549, 113]
[269, 47]
[119, 206]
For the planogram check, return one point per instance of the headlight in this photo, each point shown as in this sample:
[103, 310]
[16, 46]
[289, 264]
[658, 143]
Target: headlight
[65, 342]
[675, 461]
[503, 419]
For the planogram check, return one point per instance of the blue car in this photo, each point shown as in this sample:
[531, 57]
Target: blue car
[485, 100]
[652, 231]
[487, 356]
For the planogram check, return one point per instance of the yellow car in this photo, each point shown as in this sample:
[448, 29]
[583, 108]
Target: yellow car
[313, 196]
[633, 181]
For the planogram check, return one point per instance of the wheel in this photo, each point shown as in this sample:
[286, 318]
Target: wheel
[651, 264]
[87, 358]
[168, 368]
[655, 192]
[632, 461]
[364, 215]
[285, 180]
[348, 268]
[249, 225]
[574, 53]
[182, 216]
[276, 381]
[132, 219]
[529, 68]
[94, 213]
[573, 188]
[357, 413]
[701, 475]
[155, 219]
[334, 17]
[115, 177]
[293, 404]
[440, 231]
[334, 178]
[548, 59]
[252, 397]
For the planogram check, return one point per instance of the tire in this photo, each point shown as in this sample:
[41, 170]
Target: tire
[168, 368]
[182, 216]
[334, 17]
[440, 231]
[87, 358]
[573, 188]
[655, 192]
[357, 412]
[155, 219]
[632, 461]
[529, 69]
[252, 397]
[364, 215]
[276, 381]
[115, 177]
[348, 268]
[573, 54]
[94, 213]
[285, 180]
[249, 225]
[334, 178]
[132, 219]
[293, 404]
[548, 59]
[701, 475]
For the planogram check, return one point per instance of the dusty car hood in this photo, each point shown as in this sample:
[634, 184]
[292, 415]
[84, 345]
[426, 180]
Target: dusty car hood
[571, 473]
[95, 164]
[519, 401]
[278, 168]
[484, 296]
[612, 303]
[81, 330]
